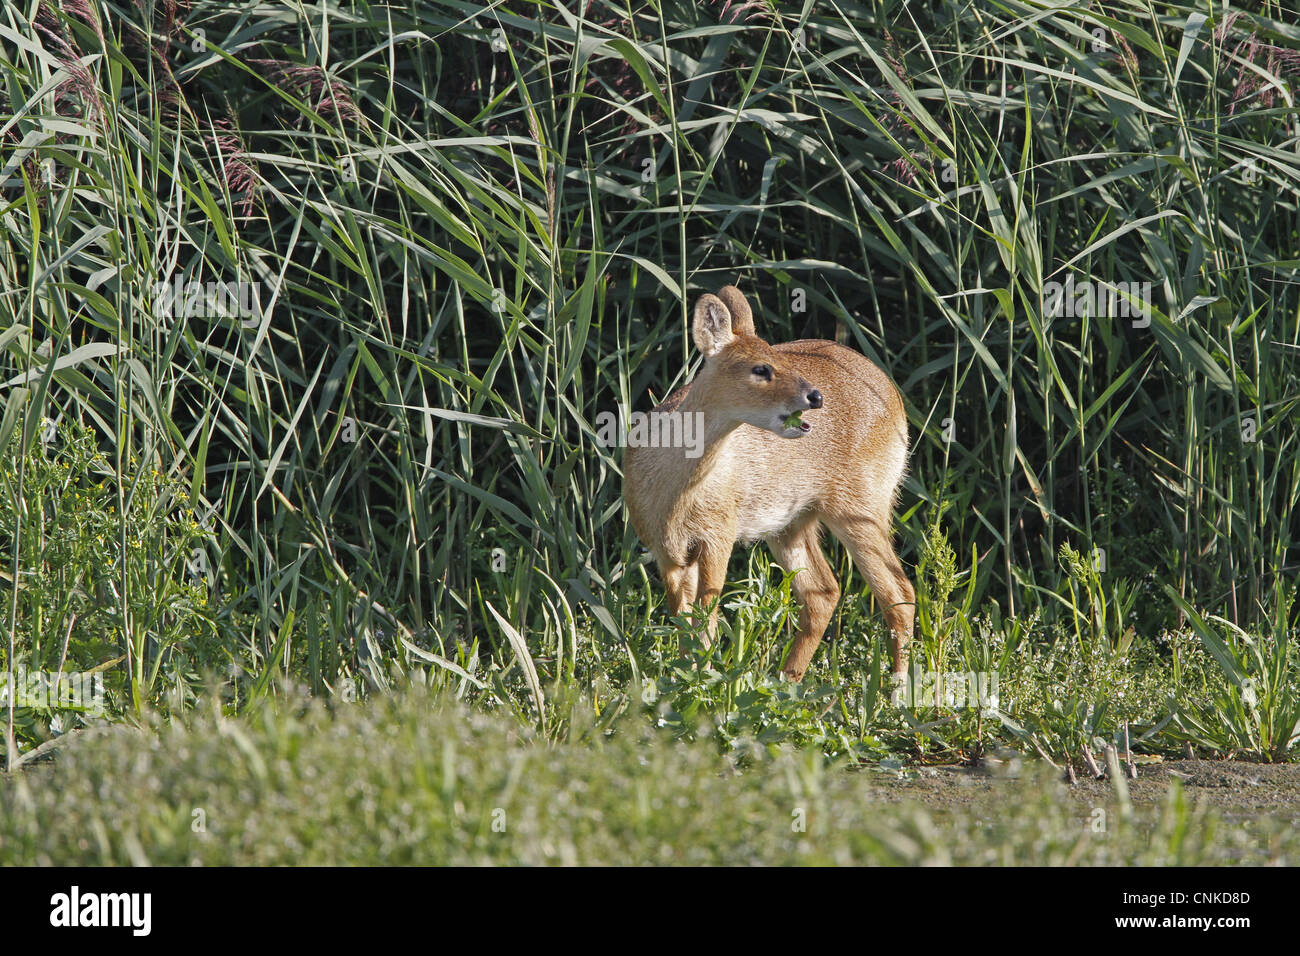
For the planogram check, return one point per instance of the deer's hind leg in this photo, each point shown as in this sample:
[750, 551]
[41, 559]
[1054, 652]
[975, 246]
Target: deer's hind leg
[869, 541]
[814, 585]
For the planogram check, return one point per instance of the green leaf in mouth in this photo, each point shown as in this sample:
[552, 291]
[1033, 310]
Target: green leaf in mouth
[794, 421]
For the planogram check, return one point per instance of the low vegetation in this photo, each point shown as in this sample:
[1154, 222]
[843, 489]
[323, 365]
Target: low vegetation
[414, 779]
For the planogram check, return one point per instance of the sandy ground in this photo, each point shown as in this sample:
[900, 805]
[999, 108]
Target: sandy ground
[1237, 789]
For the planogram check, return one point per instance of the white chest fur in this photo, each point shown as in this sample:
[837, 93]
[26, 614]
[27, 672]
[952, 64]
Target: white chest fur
[766, 516]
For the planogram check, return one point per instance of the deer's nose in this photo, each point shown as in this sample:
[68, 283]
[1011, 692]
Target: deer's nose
[814, 399]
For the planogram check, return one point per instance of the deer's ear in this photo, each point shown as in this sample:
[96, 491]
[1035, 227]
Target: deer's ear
[742, 318]
[712, 326]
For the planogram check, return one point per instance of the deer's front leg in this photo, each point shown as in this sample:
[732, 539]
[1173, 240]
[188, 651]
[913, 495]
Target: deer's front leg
[681, 582]
[712, 563]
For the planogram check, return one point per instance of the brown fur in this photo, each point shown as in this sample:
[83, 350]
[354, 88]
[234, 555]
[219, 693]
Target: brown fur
[752, 483]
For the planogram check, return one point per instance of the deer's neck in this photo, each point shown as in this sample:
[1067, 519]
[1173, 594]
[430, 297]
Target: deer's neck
[714, 428]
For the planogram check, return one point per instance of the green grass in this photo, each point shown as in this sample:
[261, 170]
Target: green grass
[1059, 690]
[467, 229]
[414, 780]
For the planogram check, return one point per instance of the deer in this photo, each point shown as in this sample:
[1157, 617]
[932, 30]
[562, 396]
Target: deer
[797, 437]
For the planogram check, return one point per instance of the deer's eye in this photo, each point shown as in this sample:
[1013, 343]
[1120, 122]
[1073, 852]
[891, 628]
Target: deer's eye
[763, 371]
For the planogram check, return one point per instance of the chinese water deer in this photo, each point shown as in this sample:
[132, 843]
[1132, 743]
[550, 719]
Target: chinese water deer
[796, 436]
